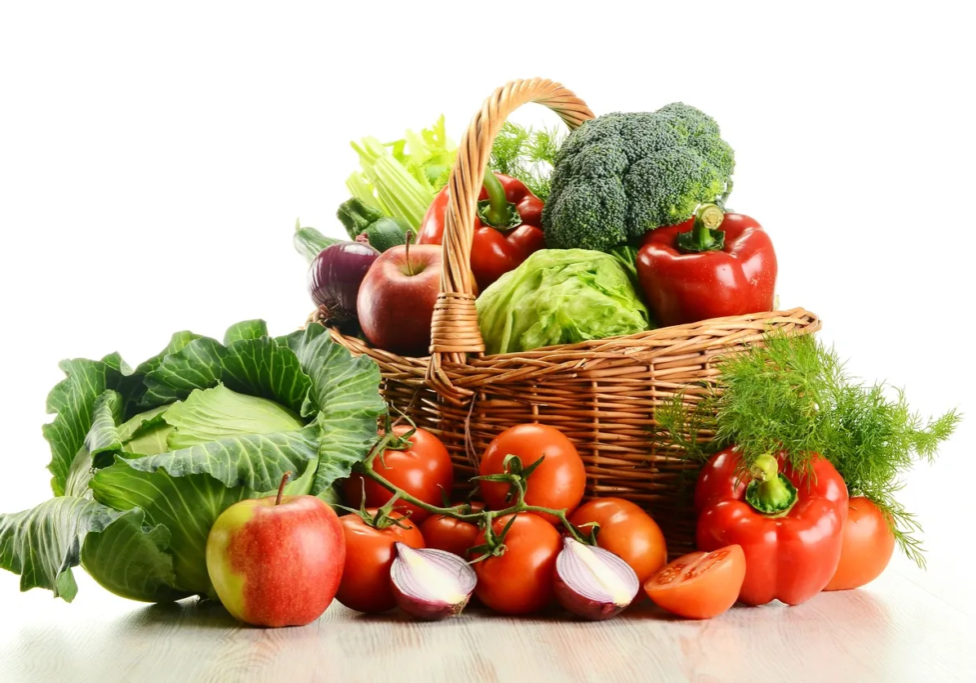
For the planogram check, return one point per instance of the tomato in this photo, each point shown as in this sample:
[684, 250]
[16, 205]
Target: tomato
[627, 531]
[453, 535]
[700, 585]
[424, 470]
[365, 585]
[557, 483]
[867, 547]
[522, 579]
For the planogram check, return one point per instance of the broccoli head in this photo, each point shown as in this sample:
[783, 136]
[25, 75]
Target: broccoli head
[620, 175]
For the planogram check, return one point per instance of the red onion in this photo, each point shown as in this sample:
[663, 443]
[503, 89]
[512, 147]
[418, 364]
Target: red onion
[431, 584]
[335, 275]
[592, 582]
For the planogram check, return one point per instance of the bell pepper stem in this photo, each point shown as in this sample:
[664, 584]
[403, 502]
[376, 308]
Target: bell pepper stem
[766, 467]
[705, 235]
[770, 492]
[357, 216]
[497, 211]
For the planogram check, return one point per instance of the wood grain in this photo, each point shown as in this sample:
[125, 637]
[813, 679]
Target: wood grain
[895, 630]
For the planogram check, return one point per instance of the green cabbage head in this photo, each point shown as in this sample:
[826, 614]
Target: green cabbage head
[145, 459]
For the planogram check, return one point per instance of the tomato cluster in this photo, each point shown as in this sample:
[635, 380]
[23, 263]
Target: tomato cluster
[532, 481]
[517, 580]
[518, 576]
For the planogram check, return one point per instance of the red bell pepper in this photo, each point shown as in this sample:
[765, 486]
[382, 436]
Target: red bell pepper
[789, 523]
[712, 265]
[507, 231]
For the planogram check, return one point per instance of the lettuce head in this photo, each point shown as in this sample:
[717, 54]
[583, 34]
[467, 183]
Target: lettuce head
[560, 296]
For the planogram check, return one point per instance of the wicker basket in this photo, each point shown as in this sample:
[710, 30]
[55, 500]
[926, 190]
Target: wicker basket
[602, 394]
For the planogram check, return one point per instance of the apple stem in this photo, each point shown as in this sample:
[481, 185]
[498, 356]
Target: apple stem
[406, 247]
[281, 487]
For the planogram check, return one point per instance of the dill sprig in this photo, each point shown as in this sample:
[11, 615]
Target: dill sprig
[526, 154]
[794, 394]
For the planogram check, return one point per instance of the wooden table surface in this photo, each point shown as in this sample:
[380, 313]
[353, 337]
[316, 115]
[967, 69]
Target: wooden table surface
[903, 627]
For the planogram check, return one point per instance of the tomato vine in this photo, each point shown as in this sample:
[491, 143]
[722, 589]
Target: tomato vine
[515, 474]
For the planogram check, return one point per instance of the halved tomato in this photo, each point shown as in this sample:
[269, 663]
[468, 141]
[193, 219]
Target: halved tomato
[700, 585]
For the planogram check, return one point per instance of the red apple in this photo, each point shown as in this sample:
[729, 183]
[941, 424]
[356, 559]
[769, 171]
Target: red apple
[397, 297]
[277, 561]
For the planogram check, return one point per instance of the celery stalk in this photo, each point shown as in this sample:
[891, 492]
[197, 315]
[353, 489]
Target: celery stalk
[401, 178]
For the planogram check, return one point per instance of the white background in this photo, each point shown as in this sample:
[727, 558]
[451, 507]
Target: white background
[154, 158]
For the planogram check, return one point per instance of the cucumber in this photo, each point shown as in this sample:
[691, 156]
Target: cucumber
[386, 233]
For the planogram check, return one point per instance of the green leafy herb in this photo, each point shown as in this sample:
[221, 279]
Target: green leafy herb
[144, 460]
[527, 155]
[795, 394]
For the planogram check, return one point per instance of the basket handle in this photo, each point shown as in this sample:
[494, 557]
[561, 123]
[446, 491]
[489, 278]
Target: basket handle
[454, 330]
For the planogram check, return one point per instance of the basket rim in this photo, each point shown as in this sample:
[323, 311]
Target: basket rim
[755, 321]
[677, 335]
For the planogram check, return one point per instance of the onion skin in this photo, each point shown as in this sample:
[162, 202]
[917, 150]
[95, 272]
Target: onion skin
[570, 572]
[407, 582]
[586, 608]
[335, 275]
[425, 610]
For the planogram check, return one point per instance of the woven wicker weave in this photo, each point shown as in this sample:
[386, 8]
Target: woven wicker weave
[602, 394]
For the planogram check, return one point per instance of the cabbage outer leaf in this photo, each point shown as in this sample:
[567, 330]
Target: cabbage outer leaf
[139, 521]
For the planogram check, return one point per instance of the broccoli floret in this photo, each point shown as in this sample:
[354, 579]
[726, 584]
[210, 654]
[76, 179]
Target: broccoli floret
[620, 175]
[589, 212]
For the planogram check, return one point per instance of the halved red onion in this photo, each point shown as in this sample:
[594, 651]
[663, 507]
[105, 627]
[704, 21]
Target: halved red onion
[592, 582]
[431, 584]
